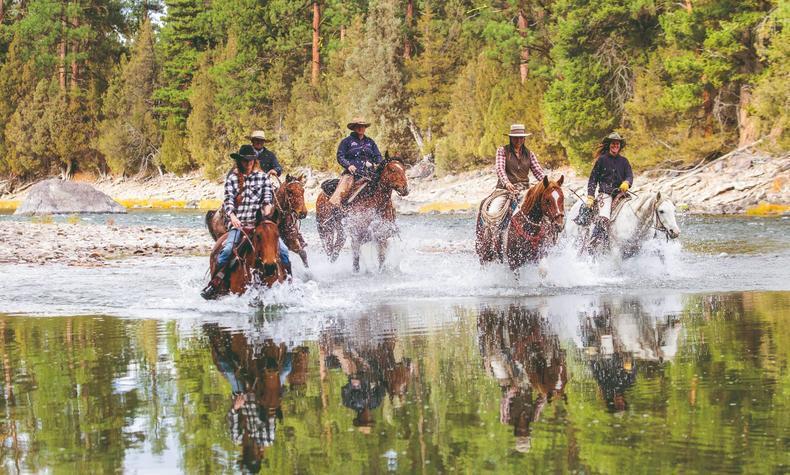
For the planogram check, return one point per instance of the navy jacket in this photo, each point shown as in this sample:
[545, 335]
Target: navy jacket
[269, 161]
[608, 173]
[353, 151]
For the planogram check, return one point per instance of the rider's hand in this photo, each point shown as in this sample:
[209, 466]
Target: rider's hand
[273, 172]
[368, 164]
[590, 200]
[234, 221]
[352, 169]
[624, 186]
[238, 402]
[509, 187]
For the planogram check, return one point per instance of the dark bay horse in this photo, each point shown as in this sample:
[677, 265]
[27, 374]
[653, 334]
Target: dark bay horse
[290, 209]
[532, 230]
[370, 217]
[258, 256]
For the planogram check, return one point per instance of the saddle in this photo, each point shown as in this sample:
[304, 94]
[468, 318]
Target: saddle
[360, 188]
[494, 216]
[588, 213]
[329, 186]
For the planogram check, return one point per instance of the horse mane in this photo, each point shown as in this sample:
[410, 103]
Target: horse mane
[532, 197]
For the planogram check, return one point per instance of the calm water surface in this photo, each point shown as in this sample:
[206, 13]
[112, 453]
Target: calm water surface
[676, 361]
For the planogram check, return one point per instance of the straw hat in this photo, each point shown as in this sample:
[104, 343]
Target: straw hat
[258, 135]
[357, 121]
[614, 136]
[518, 130]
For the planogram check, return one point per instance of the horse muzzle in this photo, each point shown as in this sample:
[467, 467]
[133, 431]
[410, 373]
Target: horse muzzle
[269, 269]
[673, 234]
[302, 215]
[403, 192]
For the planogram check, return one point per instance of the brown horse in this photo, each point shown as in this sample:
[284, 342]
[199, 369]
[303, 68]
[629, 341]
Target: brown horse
[259, 257]
[290, 209]
[370, 217]
[532, 230]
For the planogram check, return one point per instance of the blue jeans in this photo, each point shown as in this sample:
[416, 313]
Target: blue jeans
[234, 236]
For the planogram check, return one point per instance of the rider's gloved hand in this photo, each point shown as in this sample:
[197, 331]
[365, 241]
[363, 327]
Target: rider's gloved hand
[368, 164]
[624, 186]
[590, 200]
[352, 169]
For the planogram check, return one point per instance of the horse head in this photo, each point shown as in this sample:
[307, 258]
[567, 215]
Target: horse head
[294, 195]
[552, 201]
[665, 216]
[392, 175]
[265, 240]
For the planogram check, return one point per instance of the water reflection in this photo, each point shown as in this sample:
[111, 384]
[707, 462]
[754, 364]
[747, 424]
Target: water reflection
[524, 356]
[694, 383]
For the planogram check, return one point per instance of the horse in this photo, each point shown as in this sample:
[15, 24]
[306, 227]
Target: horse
[532, 230]
[633, 225]
[369, 217]
[290, 209]
[259, 257]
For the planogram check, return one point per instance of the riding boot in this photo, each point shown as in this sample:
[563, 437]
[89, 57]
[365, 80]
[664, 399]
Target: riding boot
[288, 271]
[599, 235]
[220, 278]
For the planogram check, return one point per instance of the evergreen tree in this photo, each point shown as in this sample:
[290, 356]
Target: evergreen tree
[129, 136]
[173, 156]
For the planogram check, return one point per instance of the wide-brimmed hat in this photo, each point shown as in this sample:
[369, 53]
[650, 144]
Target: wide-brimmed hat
[357, 121]
[258, 135]
[246, 152]
[518, 130]
[614, 136]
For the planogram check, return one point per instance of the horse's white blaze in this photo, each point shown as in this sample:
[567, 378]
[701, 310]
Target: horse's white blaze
[556, 195]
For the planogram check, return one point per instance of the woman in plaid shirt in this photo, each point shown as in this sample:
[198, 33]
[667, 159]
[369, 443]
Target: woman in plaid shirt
[241, 208]
[514, 162]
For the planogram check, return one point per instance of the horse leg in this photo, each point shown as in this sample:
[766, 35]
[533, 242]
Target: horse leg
[355, 245]
[382, 248]
[303, 255]
[339, 241]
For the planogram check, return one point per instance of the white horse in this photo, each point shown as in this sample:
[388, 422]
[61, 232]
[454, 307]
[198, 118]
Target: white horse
[640, 219]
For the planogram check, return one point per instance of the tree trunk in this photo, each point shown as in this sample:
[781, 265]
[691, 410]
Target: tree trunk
[342, 33]
[2, 12]
[748, 128]
[687, 5]
[707, 110]
[409, 20]
[523, 27]
[316, 56]
[62, 53]
[75, 48]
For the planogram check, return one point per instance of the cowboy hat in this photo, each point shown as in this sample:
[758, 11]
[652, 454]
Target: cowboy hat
[258, 135]
[357, 121]
[614, 136]
[246, 152]
[518, 130]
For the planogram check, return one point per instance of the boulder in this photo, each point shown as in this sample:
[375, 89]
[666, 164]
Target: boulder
[423, 169]
[55, 196]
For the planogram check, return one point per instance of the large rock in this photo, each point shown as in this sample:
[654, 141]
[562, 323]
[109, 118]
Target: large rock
[54, 196]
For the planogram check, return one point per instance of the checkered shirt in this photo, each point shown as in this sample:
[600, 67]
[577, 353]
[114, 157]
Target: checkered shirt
[257, 192]
[501, 157]
[258, 428]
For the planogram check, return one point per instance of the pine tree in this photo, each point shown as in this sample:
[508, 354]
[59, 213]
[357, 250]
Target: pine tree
[173, 156]
[129, 135]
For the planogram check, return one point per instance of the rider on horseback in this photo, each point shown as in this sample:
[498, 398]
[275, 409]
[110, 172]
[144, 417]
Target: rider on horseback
[611, 175]
[266, 158]
[514, 162]
[358, 155]
[247, 189]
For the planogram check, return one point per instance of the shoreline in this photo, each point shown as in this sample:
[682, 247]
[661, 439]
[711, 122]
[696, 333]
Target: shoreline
[745, 182]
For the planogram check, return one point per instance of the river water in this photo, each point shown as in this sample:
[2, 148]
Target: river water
[674, 361]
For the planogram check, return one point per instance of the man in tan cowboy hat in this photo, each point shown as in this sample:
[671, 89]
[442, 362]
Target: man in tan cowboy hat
[266, 157]
[611, 175]
[514, 161]
[358, 155]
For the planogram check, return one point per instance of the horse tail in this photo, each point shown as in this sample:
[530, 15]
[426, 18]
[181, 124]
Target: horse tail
[209, 217]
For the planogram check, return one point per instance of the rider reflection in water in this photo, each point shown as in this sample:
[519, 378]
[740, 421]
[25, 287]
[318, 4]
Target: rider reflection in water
[257, 375]
[372, 371]
[524, 356]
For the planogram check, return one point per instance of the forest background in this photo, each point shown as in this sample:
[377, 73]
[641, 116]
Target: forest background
[137, 87]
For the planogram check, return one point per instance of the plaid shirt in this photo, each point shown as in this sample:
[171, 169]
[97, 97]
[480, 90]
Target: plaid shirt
[501, 157]
[259, 429]
[257, 192]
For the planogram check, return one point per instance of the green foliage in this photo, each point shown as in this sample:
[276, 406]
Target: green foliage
[173, 156]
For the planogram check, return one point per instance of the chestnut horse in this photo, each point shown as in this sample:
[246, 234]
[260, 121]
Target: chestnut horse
[260, 257]
[370, 217]
[290, 209]
[532, 230]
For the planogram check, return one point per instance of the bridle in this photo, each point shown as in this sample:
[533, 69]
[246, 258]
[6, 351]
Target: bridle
[290, 218]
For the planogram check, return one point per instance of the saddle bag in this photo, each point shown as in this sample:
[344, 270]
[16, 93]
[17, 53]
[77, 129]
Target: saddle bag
[329, 186]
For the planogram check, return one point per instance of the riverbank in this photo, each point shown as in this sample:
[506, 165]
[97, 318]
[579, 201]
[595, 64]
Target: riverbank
[744, 181]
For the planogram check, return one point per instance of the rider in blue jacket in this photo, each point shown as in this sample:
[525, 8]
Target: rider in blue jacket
[358, 155]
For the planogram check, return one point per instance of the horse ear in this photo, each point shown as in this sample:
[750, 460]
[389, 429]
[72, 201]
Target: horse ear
[288, 178]
[545, 181]
[658, 196]
[562, 178]
[258, 216]
[386, 154]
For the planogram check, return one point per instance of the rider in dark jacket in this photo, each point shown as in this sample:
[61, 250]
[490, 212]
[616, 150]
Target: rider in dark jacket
[611, 175]
[266, 157]
[358, 155]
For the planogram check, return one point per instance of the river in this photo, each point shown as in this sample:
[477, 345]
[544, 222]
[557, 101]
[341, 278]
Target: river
[674, 361]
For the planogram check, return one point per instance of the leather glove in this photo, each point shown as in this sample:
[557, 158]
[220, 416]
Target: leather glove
[624, 186]
[590, 200]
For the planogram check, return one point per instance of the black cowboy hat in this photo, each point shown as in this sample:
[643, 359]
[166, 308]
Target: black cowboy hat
[614, 136]
[246, 152]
